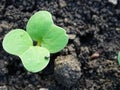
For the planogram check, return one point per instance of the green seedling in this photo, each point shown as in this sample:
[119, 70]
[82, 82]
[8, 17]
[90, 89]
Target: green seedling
[40, 28]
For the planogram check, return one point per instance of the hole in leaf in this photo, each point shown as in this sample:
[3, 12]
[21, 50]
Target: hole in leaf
[47, 57]
[34, 43]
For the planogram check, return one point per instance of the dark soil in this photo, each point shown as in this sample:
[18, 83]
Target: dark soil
[93, 27]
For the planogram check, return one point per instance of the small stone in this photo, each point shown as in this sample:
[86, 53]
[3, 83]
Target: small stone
[113, 2]
[3, 88]
[65, 20]
[72, 36]
[95, 55]
[43, 89]
[77, 41]
[67, 70]
[118, 29]
[71, 48]
[4, 26]
[85, 49]
[62, 3]
[74, 24]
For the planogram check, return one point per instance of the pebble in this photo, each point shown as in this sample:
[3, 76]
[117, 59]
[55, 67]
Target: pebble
[77, 41]
[71, 48]
[95, 55]
[62, 3]
[67, 70]
[4, 26]
[113, 2]
[43, 89]
[72, 36]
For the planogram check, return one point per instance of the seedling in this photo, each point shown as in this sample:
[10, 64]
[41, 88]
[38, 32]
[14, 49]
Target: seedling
[40, 28]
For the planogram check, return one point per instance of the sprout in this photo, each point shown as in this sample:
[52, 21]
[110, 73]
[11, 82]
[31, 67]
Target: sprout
[40, 28]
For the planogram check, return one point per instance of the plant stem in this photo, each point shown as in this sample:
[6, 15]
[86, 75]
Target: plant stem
[38, 43]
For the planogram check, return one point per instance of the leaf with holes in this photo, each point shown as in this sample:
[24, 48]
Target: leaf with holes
[34, 59]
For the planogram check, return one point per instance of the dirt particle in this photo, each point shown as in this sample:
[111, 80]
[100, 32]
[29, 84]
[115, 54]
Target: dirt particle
[62, 3]
[67, 70]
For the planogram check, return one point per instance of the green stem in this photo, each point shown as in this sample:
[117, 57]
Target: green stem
[38, 43]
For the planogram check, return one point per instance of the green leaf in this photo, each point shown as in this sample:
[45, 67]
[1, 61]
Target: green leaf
[55, 39]
[39, 24]
[35, 58]
[17, 42]
[119, 58]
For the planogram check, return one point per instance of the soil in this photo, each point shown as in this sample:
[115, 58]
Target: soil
[94, 30]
